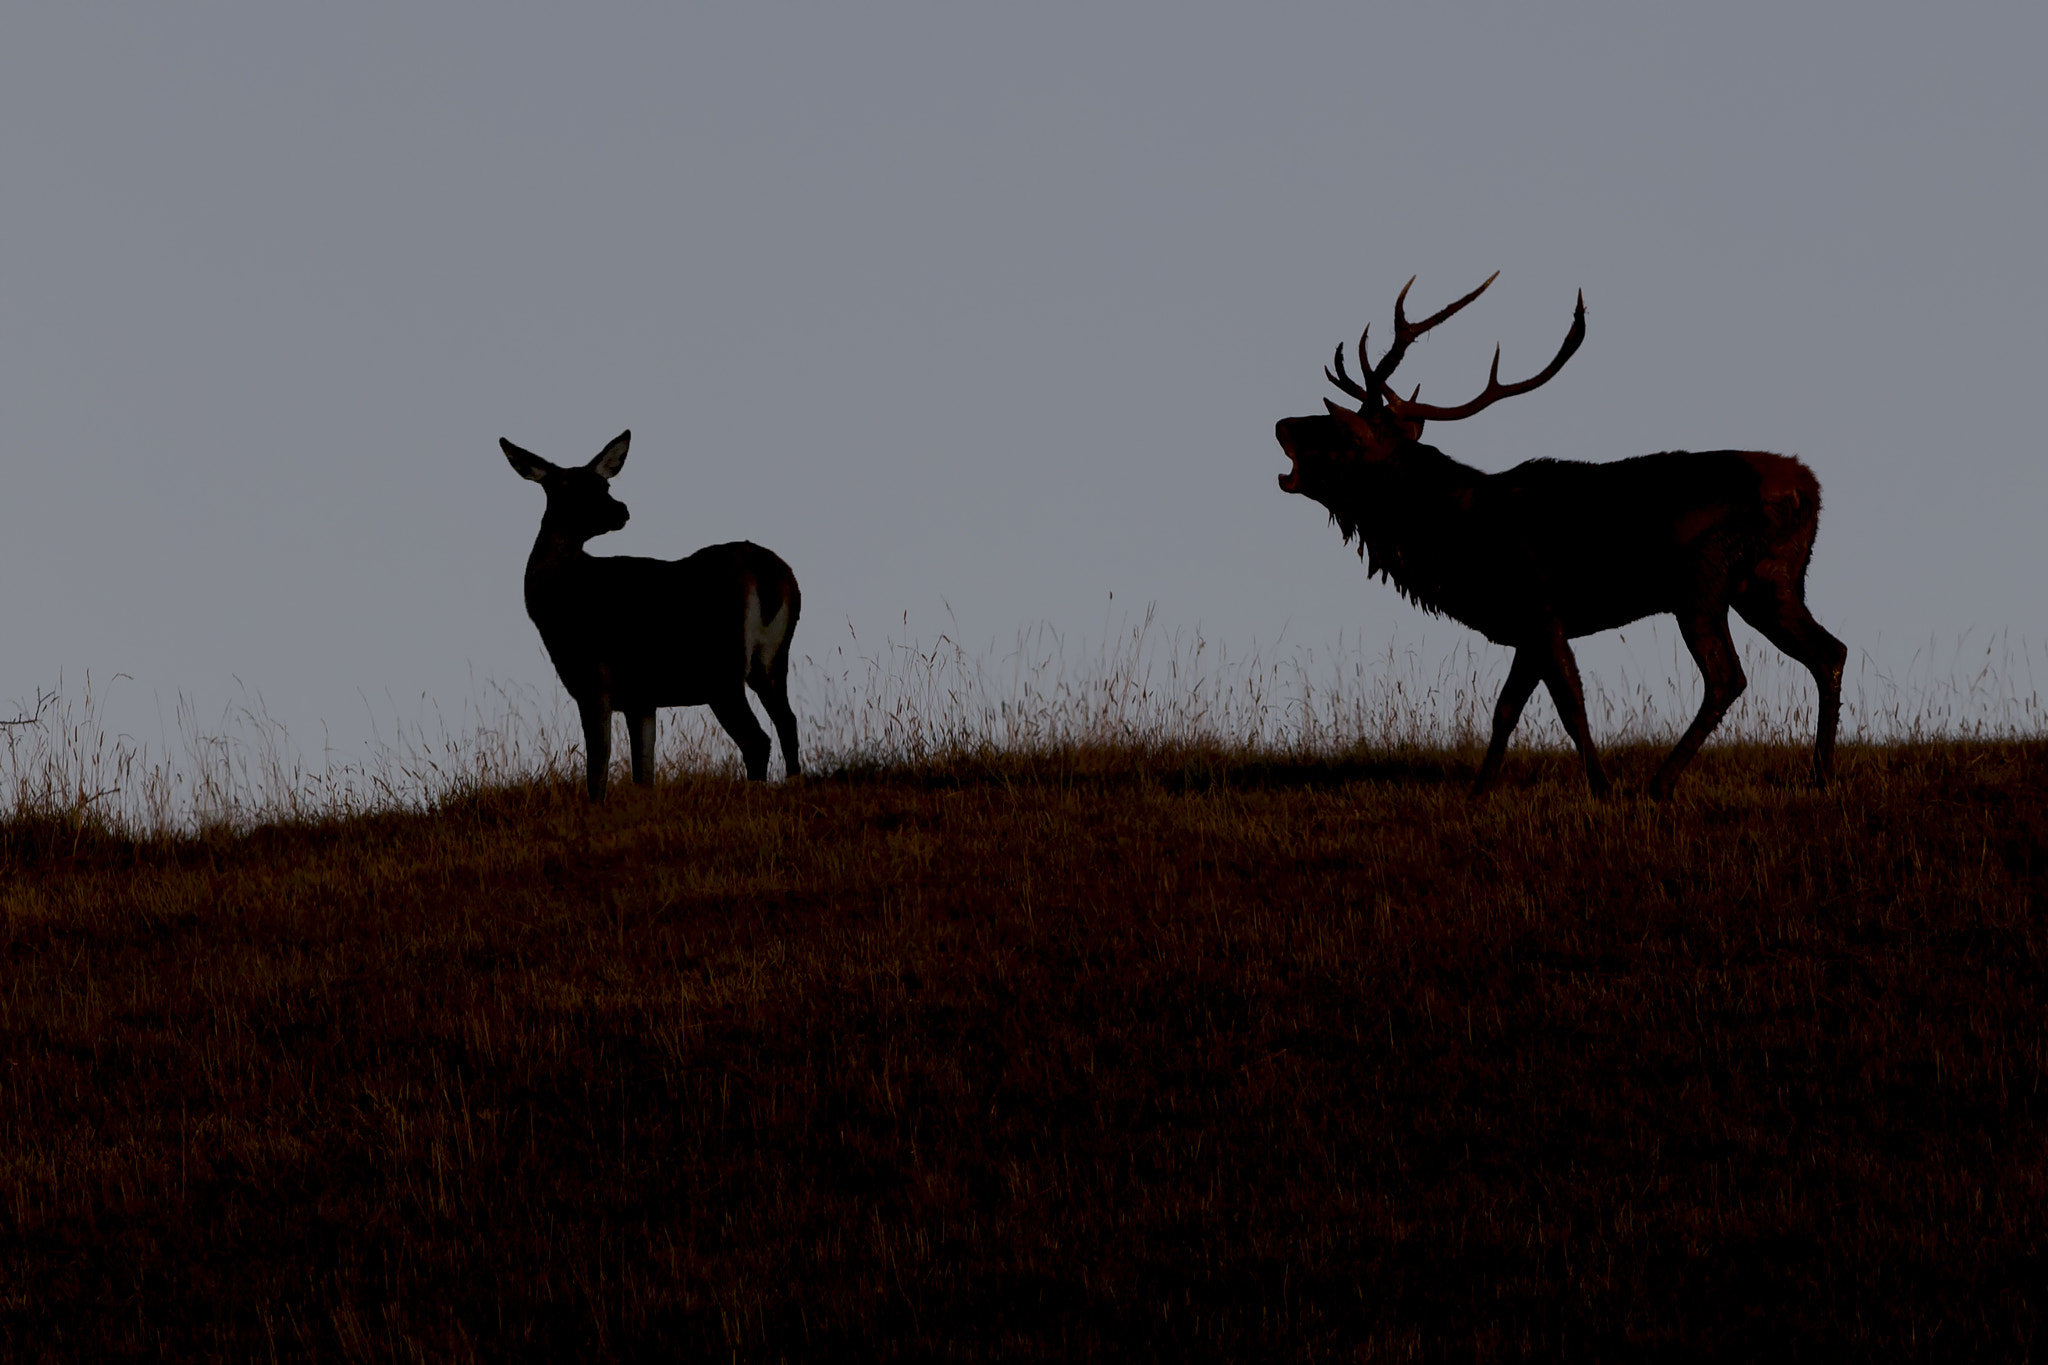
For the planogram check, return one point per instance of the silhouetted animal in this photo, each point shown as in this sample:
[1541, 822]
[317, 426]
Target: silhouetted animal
[1551, 550]
[632, 634]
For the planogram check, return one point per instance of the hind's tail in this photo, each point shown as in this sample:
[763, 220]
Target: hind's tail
[773, 604]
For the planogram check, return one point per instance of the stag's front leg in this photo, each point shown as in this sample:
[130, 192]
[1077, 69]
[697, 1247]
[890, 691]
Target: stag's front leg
[597, 744]
[640, 734]
[1562, 675]
[1523, 675]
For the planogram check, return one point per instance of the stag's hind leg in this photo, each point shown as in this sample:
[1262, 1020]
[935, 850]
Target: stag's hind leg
[1706, 635]
[1780, 616]
[738, 719]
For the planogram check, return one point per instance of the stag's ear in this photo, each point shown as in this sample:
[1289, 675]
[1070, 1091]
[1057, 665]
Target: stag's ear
[529, 465]
[613, 457]
[1372, 442]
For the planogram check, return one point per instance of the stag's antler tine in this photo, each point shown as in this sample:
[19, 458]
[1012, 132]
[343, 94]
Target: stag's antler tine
[1344, 381]
[1403, 334]
[1345, 384]
[1372, 379]
[1433, 319]
[1406, 331]
[1495, 390]
[1372, 376]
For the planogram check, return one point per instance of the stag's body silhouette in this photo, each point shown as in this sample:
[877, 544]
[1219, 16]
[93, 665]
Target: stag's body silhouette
[632, 634]
[1551, 550]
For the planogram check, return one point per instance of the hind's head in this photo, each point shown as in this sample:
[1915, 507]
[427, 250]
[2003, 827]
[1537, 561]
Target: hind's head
[580, 501]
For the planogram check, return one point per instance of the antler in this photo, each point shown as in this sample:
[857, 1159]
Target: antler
[1495, 390]
[1405, 332]
[1346, 383]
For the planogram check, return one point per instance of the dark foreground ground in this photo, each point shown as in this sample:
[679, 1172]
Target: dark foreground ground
[1089, 1056]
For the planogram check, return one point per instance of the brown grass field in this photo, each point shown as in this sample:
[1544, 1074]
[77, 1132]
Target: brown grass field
[1090, 1052]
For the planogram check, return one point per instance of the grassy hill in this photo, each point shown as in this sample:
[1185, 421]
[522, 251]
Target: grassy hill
[1093, 1051]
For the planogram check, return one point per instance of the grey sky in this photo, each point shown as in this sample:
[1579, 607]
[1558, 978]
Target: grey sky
[994, 307]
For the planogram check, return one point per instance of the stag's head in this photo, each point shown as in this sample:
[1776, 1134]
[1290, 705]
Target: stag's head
[1331, 453]
[580, 501]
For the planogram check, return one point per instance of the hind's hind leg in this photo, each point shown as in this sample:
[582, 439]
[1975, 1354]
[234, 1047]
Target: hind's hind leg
[771, 685]
[640, 732]
[738, 719]
[1780, 616]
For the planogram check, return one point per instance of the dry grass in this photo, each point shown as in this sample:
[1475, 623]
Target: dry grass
[1060, 1049]
[1138, 692]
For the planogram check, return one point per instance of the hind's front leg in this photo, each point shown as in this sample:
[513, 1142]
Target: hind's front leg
[597, 743]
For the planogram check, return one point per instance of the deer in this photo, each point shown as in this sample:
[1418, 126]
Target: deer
[633, 634]
[1551, 550]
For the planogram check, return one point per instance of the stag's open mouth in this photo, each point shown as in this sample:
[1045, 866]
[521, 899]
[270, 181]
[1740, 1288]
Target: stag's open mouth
[1290, 482]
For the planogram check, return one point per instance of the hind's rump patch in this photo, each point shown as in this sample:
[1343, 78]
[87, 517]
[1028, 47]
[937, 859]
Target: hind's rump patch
[764, 638]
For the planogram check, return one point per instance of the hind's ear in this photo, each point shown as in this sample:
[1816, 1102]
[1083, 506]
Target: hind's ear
[612, 457]
[529, 465]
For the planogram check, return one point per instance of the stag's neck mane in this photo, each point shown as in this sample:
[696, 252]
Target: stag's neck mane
[1411, 516]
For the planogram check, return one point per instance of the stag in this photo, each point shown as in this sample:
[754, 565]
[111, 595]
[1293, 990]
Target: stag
[633, 634]
[1540, 554]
